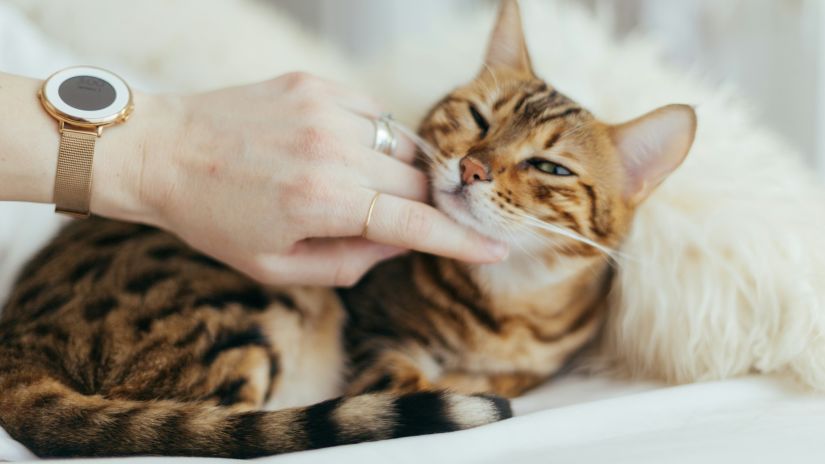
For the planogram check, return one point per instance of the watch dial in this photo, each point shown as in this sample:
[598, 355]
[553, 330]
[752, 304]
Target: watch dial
[87, 93]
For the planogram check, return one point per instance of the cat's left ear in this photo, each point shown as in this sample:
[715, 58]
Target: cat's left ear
[653, 146]
[507, 47]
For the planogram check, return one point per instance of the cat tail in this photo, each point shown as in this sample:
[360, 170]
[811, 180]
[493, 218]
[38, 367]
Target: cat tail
[53, 420]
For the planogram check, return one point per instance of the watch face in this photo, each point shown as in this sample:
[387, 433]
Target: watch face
[86, 93]
[86, 96]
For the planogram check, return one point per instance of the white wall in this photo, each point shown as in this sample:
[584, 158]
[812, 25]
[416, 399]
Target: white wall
[820, 101]
[771, 50]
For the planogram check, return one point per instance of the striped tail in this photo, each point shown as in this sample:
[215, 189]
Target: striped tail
[55, 421]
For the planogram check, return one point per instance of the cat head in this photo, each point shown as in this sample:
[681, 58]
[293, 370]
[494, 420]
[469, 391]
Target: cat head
[517, 160]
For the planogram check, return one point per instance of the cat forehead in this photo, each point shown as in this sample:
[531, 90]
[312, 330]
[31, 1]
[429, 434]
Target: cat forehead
[529, 103]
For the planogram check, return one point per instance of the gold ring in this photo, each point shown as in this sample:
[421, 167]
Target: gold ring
[369, 215]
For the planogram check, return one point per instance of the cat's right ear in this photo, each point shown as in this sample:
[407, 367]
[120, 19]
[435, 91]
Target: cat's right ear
[507, 47]
[653, 146]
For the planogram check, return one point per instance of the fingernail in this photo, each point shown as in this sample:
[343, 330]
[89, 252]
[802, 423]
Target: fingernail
[497, 249]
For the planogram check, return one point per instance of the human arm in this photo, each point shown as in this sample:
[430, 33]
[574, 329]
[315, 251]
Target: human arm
[273, 178]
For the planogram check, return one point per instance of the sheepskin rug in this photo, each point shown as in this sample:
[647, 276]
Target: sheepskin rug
[724, 272]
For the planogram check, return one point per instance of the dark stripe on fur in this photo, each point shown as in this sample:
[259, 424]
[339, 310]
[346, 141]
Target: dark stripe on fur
[563, 114]
[470, 302]
[596, 226]
[143, 282]
[227, 340]
[381, 384]
[144, 324]
[421, 414]
[164, 252]
[116, 238]
[249, 298]
[244, 432]
[48, 330]
[520, 102]
[99, 309]
[229, 392]
[96, 266]
[503, 101]
[192, 336]
[322, 431]
[207, 261]
[31, 294]
[52, 305]
[552, 140]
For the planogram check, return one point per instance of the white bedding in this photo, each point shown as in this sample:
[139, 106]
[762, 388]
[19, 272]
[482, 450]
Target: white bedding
[574, 419]
[591, 420]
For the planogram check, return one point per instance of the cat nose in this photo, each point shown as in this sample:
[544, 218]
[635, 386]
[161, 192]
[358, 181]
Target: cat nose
[473, 170]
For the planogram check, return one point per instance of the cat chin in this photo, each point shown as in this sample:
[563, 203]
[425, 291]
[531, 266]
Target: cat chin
[459, 209]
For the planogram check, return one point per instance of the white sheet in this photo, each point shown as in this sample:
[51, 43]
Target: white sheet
[751, 420]
[574, 419]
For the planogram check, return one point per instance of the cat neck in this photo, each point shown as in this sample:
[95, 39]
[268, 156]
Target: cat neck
[545, 285]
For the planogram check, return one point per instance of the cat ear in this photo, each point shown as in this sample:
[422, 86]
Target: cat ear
[653, 146]
[507, 47]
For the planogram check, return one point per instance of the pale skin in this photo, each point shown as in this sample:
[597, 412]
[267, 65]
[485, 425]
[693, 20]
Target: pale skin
[275, 179]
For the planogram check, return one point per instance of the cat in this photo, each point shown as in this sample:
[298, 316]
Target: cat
[119, 339]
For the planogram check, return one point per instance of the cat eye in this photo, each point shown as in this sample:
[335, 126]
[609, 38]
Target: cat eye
[550, 167]
[482, 123]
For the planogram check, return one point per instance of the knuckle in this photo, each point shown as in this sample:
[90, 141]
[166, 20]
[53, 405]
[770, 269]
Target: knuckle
[300, 81]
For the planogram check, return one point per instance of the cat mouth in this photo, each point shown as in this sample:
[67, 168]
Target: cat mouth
[455, 203]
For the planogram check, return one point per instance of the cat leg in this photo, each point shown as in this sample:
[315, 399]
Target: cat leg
[242, 378]
[508, 384]
[395, 371]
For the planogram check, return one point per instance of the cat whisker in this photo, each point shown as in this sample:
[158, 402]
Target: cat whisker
[509, 224]
[535, 222]
[543, 238]
[431, 153]
[509, 230]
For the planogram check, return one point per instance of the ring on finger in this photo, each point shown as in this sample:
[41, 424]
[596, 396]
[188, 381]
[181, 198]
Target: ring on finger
[385, 141]
[369, 215]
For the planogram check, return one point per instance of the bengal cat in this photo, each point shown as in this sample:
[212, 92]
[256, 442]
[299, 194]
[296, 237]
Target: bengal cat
[121, 340]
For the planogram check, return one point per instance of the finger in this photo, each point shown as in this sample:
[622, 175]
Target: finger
[336, 262]
[409, 224]
[387, 175]
[363, 129]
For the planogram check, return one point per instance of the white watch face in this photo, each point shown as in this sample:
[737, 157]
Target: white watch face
[87, 95]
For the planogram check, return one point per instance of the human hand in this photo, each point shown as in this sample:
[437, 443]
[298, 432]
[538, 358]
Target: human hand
[276, 179]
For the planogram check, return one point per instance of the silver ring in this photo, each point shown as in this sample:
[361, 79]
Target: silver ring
[385, 141]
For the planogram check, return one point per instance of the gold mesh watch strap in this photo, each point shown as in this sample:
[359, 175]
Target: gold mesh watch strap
[73, 183]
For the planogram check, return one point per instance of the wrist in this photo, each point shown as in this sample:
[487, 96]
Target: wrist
[28, 143]
[131, 169]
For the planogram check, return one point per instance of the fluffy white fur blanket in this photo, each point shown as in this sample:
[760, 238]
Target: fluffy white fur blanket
[725, 267]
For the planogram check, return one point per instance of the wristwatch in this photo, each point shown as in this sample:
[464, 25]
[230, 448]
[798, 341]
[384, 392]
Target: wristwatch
[84, 100]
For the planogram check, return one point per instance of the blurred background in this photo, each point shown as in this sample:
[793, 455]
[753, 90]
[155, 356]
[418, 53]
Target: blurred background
[772, 51]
